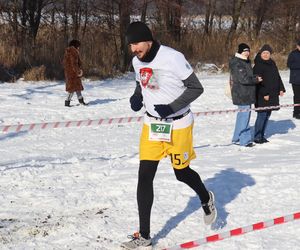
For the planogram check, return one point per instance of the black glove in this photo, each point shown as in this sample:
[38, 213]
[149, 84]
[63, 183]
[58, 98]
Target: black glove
[136, 102]
[163, 110]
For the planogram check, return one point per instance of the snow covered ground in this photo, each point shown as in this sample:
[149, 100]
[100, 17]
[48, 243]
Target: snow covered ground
[75, 188]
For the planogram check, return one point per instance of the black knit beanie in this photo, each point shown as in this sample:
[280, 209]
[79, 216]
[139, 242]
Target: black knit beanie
[243, 47]
[138, 32]
[266, 47]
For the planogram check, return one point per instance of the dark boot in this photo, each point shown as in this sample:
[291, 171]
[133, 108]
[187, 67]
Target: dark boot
[81, 101]
[296, 114]
[67, 103]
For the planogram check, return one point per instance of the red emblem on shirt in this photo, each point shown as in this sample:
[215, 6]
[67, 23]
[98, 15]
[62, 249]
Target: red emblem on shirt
[145, 74]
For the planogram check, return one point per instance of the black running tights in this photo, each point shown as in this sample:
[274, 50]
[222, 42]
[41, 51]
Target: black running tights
[145, 194]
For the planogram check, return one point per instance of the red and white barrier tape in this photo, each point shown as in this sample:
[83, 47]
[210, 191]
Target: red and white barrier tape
[236, 232]
[244, 110]
[109, 121]
[67, 124]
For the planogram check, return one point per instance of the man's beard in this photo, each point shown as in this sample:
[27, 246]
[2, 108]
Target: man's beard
[142, 53]
[137, 53]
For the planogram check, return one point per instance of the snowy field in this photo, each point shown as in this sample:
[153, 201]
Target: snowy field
[75, 188]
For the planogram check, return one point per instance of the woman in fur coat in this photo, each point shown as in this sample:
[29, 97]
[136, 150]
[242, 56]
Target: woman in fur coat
[73, 72]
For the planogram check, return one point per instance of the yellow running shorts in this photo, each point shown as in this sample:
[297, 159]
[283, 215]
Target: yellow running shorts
[180, 149]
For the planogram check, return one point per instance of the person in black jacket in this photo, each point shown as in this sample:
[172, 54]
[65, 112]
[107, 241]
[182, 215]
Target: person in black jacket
[268, 92]
[243, 93]
[293, 63]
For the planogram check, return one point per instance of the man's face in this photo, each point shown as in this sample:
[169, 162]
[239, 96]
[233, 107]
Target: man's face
[140, 49]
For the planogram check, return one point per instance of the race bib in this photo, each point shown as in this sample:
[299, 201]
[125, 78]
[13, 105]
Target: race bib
[160, 131]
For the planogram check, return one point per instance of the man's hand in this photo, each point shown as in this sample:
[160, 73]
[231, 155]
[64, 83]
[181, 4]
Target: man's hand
[136, 102]
[163, 110]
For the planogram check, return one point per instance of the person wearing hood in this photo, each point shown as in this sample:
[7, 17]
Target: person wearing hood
[243, 93]
[293, 63]
[165, 87]
[73, 72]
[268, 92]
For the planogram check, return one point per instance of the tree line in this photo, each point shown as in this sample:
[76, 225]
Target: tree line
[34, 33]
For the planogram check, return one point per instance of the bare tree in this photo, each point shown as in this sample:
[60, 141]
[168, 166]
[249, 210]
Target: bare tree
[236, 12]
[262, 7]
[170, 14]
[124, 13]
[31, 16]
[292, 20]
[210, 9]
[24, 16]
[144, 10]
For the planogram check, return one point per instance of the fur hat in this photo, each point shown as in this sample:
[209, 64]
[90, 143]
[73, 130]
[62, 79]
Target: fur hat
[75, 43]
[243, 47]
[138, 32]
[266, 47]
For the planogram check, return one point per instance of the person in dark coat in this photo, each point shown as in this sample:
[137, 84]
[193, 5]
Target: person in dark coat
[73, 72]
[243, 93]
[268, 92]
[293, 63]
